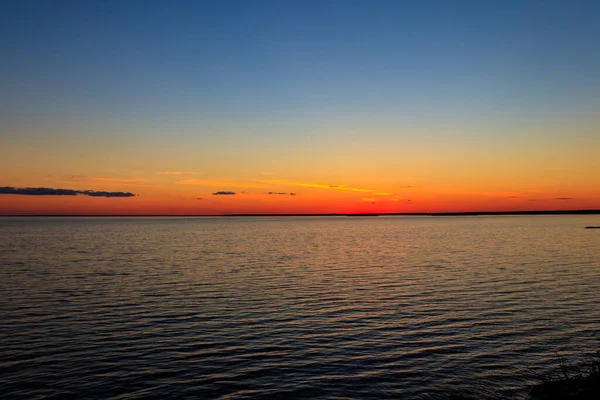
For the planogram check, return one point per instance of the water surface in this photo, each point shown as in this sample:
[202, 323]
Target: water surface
[380, 307]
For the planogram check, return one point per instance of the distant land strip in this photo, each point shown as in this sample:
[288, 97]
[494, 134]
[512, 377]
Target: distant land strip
[415, 214]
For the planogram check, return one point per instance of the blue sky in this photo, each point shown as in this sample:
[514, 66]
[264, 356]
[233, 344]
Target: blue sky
[253, 61]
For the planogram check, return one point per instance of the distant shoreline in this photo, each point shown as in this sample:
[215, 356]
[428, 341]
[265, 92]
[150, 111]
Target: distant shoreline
[423, 214]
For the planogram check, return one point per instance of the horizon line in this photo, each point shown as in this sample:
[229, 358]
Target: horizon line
[416, 214]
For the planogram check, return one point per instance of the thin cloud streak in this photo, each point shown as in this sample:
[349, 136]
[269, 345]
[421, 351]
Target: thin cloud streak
[124, 182]
[119, 180]
[218, 182]
[180, 173]
[392, 200]
[321, 186]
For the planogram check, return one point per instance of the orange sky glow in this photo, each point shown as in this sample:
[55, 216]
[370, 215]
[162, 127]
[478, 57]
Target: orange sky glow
[395, 108]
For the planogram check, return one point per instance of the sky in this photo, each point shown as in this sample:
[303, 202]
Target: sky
[218, 107]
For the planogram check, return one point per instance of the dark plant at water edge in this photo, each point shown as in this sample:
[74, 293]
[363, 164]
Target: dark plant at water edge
[571, 381]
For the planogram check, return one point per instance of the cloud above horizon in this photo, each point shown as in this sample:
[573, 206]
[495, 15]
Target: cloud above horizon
[93, 180]
[260, 184]
[180, 173]
[223, 193]
[42, 191]
[219, 182]
[322, 186]
[283, 193]
[554, 198]
[118, 180]
[374, 200]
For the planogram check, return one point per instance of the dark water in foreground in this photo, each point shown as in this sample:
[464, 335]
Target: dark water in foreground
[396, 307]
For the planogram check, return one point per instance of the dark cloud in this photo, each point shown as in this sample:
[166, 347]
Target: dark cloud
[555, 198]
[282, 193]
[38, 191]
[198, 198]
[223, 193]
[94, 193]
[41, 191]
